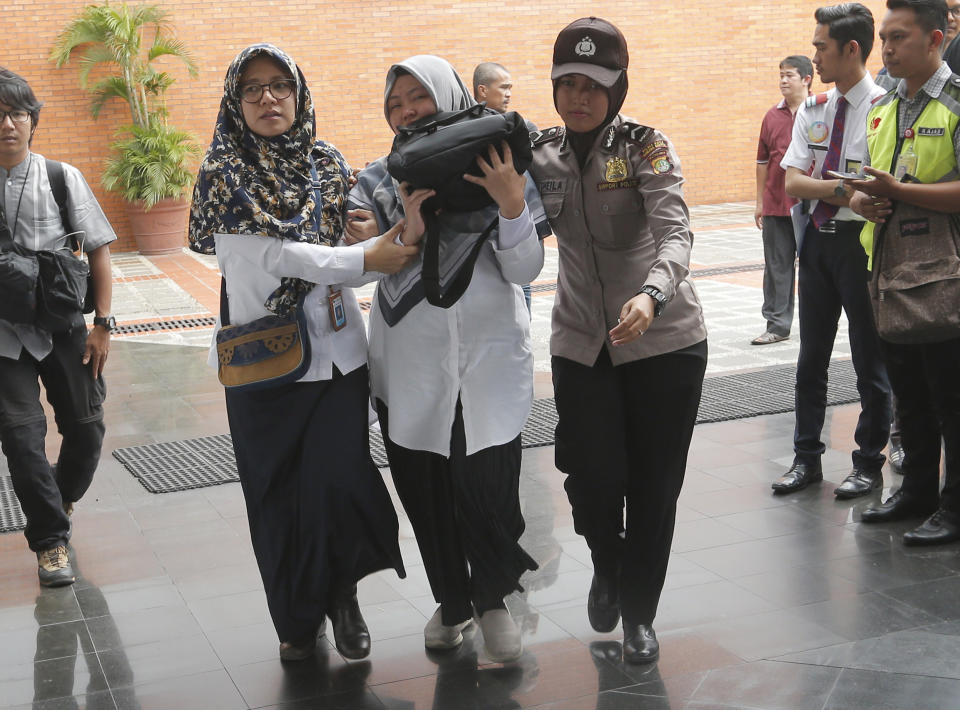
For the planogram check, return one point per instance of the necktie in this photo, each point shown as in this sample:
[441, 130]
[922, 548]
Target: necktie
[824, 210]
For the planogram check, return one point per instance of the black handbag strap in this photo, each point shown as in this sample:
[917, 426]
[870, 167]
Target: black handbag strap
[58, 186]
[430, 273]
[447, 118]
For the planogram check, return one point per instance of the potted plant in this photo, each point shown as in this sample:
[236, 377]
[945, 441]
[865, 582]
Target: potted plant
[151, 166]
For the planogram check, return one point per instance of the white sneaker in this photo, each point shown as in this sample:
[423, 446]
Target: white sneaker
[501, 636]
[442, 638]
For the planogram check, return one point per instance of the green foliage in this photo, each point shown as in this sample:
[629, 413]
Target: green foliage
[152, 159]
[150, 164]
[113, 36]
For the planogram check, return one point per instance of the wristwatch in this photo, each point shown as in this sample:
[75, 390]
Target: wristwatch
[660, 301]
[839, 190]
[108, 323]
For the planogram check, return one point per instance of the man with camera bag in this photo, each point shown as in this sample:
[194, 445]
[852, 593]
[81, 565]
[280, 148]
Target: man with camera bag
[42, 202]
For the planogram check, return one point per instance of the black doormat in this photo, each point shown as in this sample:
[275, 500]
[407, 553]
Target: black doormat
[195, 463]
[11, 517]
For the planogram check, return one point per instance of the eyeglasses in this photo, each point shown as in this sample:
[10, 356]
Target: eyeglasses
[279, 89]
[17, 116]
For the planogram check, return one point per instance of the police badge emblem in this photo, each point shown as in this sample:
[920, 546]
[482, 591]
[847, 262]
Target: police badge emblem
[585, 47]
[616, 169]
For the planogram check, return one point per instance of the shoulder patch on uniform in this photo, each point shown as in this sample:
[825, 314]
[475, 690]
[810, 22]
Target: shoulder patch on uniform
[635, 132]
[546, 136]
[815, 100]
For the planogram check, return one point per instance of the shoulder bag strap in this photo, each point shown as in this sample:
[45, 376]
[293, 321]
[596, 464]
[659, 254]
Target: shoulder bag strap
[58, 186]
[430, 274]
[224, 303]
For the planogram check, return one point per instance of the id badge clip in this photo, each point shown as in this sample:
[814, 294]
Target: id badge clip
[338, 315]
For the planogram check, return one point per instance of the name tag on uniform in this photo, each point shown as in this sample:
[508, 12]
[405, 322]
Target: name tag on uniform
[930, 131]
[548, 187]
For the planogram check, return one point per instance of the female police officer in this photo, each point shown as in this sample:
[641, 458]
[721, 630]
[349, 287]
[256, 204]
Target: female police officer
[628, 345]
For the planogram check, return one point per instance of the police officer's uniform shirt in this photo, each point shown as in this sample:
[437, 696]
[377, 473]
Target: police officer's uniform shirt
[621, 223]
[28, 201]
[811, 135]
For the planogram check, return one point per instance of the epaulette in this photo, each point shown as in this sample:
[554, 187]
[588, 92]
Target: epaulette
[546, 136]
[635, 132]
[815, 100]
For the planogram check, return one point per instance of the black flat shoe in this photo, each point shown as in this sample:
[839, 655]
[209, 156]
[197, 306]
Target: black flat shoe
[941, 528]
[349, 629]
[899, 506]
[798, 477]
[860, 482]
[603, 602]
[640, 643]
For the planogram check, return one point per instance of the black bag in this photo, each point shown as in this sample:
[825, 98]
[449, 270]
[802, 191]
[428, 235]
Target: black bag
[43, 288]
[58, 186]
[18, 286]
[436, 151]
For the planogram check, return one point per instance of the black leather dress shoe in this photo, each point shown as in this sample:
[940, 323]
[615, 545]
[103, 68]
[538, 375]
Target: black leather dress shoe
[640, 643]
[941, 528]
[798, 477]
[349, 629]
[899, 506]
[603, 602]
[860, 482]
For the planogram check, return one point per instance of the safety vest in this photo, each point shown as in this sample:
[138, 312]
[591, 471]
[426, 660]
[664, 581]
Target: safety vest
[931, 137]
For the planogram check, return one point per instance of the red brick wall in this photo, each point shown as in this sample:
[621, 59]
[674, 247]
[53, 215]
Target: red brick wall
[702, 72]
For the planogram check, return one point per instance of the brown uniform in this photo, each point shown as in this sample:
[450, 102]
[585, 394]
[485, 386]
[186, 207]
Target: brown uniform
[620, 225]
[626, 414]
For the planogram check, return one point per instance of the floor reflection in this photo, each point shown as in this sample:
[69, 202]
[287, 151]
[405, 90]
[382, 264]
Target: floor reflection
[65, 652]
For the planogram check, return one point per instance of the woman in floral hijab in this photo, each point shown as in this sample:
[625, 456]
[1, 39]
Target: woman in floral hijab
[269, 201]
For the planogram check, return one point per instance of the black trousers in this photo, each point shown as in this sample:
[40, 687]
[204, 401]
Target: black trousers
[926, 381]
[465, 512]
[833, 276]
[319, 512]
[622, 437]
[77, 401]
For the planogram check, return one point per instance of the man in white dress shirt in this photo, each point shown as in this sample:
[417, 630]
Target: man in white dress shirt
[830, 133]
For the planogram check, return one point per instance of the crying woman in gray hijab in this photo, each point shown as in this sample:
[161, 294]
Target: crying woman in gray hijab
[453, 384]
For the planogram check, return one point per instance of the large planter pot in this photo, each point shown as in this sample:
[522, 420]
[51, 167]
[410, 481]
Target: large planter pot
[162, 229]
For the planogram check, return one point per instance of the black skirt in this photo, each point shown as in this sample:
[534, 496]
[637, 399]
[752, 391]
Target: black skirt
[320, 515]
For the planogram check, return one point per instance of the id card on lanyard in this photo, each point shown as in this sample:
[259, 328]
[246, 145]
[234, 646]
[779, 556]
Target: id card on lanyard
[338, 314]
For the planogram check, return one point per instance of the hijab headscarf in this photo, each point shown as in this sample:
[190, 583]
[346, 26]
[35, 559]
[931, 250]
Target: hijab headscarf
[376, 190]
[595, 48]
[438, 77]
[252, 184]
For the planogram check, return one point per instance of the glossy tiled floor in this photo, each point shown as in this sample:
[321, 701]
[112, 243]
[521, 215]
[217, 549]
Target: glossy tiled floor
[771, 603]
[785, 603]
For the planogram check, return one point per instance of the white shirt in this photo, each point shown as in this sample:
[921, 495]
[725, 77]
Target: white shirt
[478, 349]
[253, 265]
[811, 135]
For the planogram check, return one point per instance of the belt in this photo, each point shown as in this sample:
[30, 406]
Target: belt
[840, 226]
